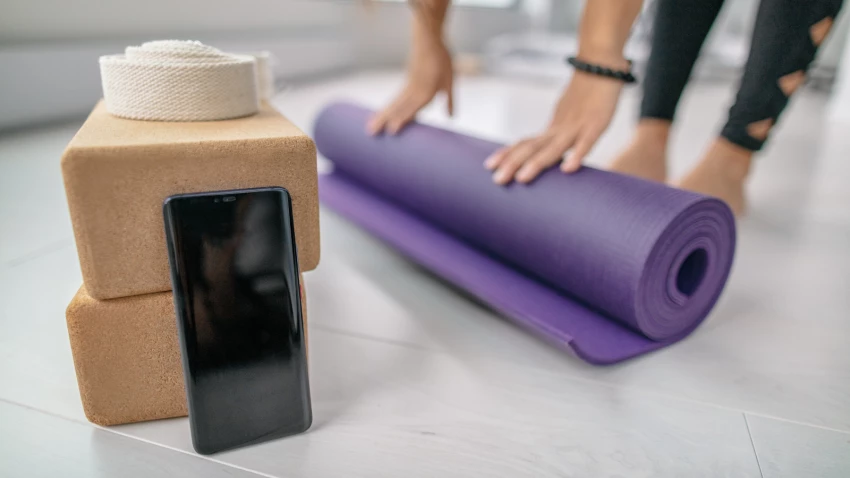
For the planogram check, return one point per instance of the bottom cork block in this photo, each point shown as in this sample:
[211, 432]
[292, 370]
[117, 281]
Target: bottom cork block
[127, 357]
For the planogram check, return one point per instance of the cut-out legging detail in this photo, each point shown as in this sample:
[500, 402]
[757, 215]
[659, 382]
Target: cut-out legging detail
[786, 37]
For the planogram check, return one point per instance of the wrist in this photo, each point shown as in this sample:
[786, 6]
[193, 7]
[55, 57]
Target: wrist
[426, 34]
[584, 78]
[623, 75]
[427, 43]
[605, 57]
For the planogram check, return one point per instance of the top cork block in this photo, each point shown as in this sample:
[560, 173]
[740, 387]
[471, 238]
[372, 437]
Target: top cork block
[118, 172]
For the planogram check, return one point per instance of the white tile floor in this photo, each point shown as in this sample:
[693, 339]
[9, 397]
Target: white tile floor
[410, 378]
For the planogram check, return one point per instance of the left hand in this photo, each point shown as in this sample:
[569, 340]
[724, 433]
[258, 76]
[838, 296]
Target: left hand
[430, 72]
[582, 115]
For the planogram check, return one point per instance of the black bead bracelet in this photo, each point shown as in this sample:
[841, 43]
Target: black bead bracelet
[621, 75]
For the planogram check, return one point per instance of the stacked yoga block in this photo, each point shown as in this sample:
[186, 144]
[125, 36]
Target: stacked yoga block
[117, 174]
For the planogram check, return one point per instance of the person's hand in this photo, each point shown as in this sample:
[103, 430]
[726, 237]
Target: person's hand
[429, 73]
[582, 115]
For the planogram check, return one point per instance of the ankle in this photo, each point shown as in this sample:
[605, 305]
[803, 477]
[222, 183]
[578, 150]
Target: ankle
[653, 132]
[733, 160]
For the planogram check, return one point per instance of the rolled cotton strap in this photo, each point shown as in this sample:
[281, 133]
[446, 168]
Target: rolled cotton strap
[265, 76]
[179, 81]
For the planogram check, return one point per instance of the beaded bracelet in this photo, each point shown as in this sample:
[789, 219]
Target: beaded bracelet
[624, 76]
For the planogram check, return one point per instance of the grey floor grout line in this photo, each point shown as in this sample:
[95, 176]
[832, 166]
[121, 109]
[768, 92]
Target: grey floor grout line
[796, 422]
[45, 412]
[575, 378]
[753, 443]
[38, 253]
[132, 437]
[370, 338]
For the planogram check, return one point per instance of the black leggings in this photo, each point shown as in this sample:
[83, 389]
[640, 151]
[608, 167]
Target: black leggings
[786, 36]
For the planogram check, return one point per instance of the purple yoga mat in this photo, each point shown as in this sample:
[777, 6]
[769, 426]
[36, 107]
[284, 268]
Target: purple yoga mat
[608, 265]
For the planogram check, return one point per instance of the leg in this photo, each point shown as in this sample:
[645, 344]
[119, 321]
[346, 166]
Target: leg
[679, 31]
[678, 34]
[786, 37]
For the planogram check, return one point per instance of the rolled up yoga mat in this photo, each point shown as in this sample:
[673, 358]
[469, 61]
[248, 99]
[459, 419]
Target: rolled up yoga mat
[609, 265]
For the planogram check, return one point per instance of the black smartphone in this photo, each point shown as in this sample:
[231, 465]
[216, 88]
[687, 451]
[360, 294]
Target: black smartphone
[237, 295]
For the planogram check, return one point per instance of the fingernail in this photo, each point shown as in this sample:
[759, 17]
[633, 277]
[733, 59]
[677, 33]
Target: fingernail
[524, 175]
[500, 177]
[490, 162]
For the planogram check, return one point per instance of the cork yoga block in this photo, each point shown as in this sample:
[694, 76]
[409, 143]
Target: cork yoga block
[127, 357]
[118, 172]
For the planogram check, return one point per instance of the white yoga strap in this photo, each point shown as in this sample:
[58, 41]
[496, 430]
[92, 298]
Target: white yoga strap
[180, 81]
[265, 77]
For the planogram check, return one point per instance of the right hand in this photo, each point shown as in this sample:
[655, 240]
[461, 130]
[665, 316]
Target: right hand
[582, 115]
[430, 72]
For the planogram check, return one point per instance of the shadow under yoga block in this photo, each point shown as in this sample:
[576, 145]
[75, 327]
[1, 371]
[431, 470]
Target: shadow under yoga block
[118, 172]
[127, 357]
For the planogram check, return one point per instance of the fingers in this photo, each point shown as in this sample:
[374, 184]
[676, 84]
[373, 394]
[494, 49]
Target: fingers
[404, 108]
[404, 113]
[582, 147]
[379, 122]
[544, 159]
[495, 159]
[525, 160]
[448, 89]
[515, 157]
[395, 116]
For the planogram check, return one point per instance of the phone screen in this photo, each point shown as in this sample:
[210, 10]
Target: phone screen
[236, 288]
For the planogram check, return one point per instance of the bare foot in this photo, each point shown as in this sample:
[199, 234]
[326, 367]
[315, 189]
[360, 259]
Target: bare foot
[646, 156]
[721, 173]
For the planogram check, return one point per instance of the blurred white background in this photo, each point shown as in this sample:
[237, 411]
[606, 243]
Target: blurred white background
[49, 48]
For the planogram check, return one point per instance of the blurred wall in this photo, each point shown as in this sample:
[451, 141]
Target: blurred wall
[44, 20]
[382, 32]
[49, 48]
